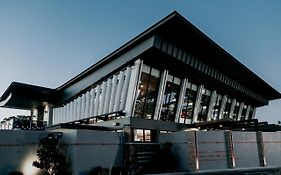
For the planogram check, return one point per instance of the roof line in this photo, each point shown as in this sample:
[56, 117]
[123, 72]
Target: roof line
[121, 49]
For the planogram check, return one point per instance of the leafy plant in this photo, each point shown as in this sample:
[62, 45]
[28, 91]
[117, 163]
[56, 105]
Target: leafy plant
[51, 157]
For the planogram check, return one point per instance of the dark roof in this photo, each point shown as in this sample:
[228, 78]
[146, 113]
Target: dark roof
[177, 29]
[26, 96]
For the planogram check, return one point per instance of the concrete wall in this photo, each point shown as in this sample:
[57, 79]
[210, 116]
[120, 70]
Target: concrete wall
[183, 149]
[224, 150]
[18, 151]
[88, 149]
[246, 151]
[272, 148]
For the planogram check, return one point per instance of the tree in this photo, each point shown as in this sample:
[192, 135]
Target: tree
[51, 157]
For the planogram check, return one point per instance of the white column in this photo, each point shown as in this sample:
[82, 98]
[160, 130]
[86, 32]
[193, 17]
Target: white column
[55, 115]
[223, 103]
[132, 88]
[71, 111]
[232, 107]
[161, 92]
[119, 90]
[181, 99]
[240, 111]
[107, 96]
[125, 88]
[247, 112]
[102, 97]
[75, 106]
[60, 114]
[197, 104]
[113, 93]
[79, 105]
[83, 105]
[87, 104]
[92, 102]
[67, 113]
[97, 100]
[211, 105]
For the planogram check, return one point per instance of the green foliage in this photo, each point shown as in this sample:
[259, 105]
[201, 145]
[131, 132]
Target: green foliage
[51, 157]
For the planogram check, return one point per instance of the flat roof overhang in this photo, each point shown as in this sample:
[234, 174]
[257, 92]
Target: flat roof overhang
[27, 97]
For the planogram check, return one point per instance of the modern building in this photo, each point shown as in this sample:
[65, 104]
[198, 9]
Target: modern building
[169, 78]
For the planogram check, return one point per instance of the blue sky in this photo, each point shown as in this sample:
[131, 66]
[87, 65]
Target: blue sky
[48, 42]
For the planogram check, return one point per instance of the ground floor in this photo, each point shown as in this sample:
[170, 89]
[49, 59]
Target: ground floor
[189, 152]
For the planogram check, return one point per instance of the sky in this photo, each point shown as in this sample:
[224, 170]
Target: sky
[48, 42]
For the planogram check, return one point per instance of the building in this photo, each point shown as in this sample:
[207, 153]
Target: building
[169, 78]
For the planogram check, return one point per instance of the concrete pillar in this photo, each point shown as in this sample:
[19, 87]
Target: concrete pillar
[212, 103]
[197, 104]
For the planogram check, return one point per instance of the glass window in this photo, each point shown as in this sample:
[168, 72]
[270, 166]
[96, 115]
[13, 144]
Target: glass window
[147, 93]
[243, 114]
[142, 135]
[227, 108]
[204, 105]
[236, 110]
[170, 99]
[188, 104]
[251, 113]
[216, 108]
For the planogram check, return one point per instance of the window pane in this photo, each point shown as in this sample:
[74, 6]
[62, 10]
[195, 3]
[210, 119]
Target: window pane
[205, 100]
[147, 93]
[170, 99]
[188, 104]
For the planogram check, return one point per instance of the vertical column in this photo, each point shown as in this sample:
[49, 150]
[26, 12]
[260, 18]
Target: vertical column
[197, 104]
[107, 96]
[125, 88]
[67, 113]
[55, 116]
[160, 94]
[240, 111]
[102, 96]
[261, 150]
[229, 149]
[83, 104]
[97, 100]
[87, 104]
[211, 105]
[223, 103]
[247, 112]
[132, 88]
[71, 111]
[119, 90]
[113, 93]
[232, 107]
[181, 98]
[75, 105]
[92, 102]
[79, 105]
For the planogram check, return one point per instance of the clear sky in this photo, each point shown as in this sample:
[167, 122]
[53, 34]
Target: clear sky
[47, 42]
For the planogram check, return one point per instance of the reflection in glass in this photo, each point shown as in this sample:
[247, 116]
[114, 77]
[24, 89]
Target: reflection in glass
[188, 104]
[236, 110]
[227, 108]
[170, 99]
[204, 105]
[216, 108]
[147, 93]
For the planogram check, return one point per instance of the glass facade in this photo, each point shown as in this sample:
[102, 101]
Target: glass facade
[170, 100]
[205, 100]
[216, 108]
[147, 92]
[188, 103]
